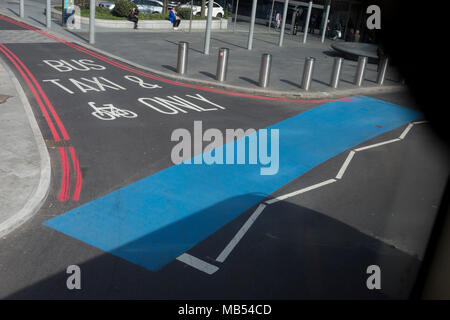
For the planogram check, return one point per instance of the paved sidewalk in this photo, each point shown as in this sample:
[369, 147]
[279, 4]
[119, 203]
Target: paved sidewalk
[24, 160]
[157, 51]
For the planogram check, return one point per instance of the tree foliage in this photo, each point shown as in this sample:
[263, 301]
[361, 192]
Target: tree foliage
[123, 8]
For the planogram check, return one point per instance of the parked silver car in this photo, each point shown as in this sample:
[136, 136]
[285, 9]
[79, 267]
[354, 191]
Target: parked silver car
[144, 6]
[107, 4]
[149, 6]
[173, 3]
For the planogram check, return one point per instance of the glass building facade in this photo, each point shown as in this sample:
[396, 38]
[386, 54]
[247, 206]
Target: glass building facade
[347, 15]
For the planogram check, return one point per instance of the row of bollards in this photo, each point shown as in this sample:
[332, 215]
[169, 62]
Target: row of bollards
[222, 61]
[266, 65]
[360, 71]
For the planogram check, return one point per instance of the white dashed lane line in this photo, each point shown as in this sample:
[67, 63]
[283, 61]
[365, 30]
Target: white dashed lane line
[210, 269]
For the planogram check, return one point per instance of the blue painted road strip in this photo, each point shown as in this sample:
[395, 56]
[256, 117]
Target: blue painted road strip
[156, 219]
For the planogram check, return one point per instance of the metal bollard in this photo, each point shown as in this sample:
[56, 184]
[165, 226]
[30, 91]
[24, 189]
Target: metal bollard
[307, 73]
[336, 73]
[222, 63]
[91, 21]
[264, 72]
[360, 70]
[22, 8]
[382, 69]
[48, 12]
[182, 62]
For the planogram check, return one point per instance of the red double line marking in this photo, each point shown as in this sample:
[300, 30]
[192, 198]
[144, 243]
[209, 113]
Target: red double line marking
[42, 93]
[77, 172]
[65, 180]
[49, 121]
[121, 66]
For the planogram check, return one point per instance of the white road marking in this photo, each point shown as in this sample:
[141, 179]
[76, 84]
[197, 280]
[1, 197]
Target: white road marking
[318, 185]
[405, 132]
[210, 269]
[55, 81]
[197, 263]
[377, 144]
[109, 112]
[224, 254]
[345, 165]
[420, 122]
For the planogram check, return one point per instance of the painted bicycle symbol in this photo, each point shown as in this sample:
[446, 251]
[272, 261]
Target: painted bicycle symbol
[109, 112]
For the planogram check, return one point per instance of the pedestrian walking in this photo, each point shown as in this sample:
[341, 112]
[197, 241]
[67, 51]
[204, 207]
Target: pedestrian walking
[312, 24]
[357, 36]
[278, 20]
[133, 17]
[174, 18]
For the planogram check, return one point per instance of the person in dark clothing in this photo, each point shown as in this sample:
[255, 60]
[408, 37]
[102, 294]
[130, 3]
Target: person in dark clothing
[133, 16]
[350, 37]
[312, 24]
[328, 29]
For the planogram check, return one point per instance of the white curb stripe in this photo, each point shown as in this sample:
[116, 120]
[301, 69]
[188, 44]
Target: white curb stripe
[197, 263]
[318, 185]
[345, 165]
[405, 132]
[378, 144]
[240, 234]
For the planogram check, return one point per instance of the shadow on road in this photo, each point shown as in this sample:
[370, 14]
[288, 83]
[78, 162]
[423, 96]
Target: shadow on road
[290, 252]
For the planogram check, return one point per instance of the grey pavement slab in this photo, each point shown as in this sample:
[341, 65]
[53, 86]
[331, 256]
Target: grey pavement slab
[22, 36]
[159, 52]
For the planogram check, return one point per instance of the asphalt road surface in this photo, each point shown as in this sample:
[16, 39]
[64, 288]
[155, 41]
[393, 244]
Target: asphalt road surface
[349, 183]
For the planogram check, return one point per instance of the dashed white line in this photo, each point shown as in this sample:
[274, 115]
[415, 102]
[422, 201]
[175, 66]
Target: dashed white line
[405, 132]
[225, 252]
[315, 186]
[377, 144]
[210, 269]
[197, 263]
[345, 165]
